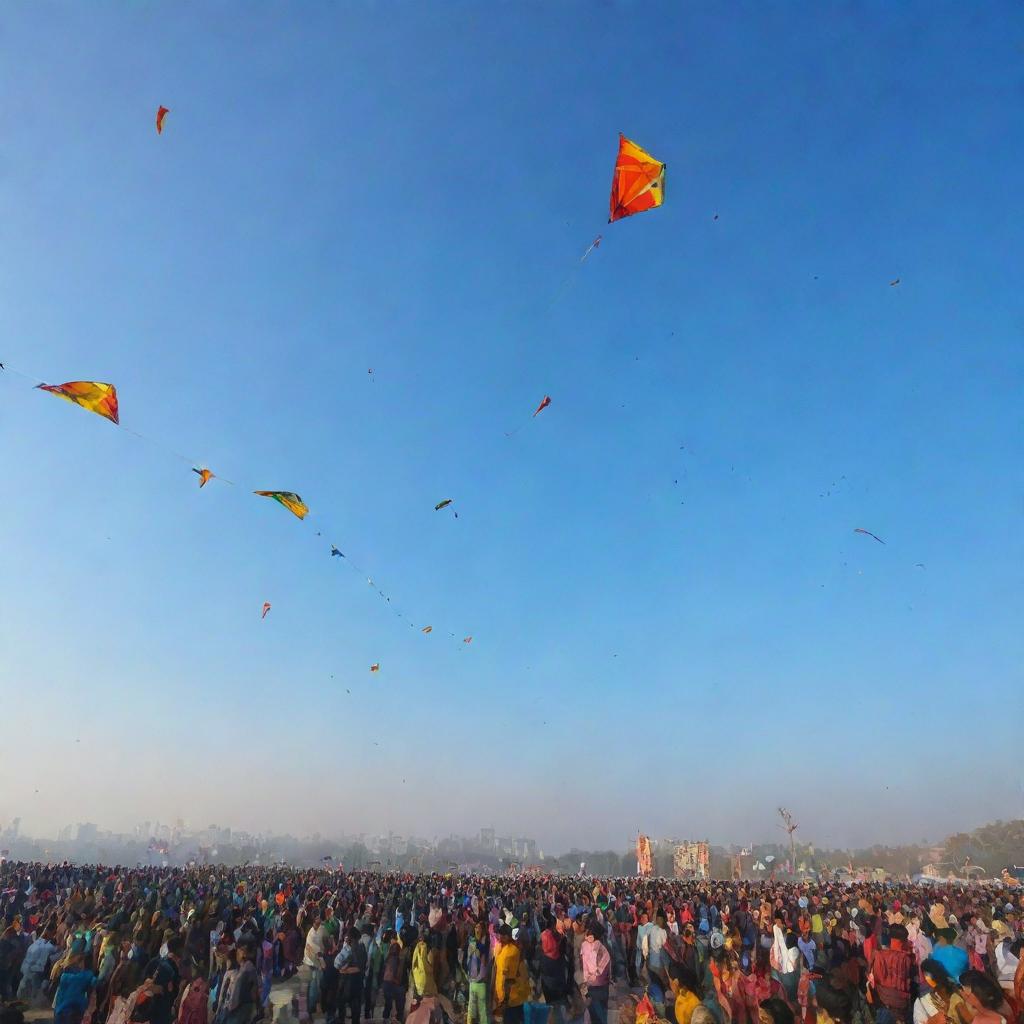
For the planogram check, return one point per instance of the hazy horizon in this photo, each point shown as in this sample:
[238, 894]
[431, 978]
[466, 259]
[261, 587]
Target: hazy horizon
[771, 834]
[675, 627]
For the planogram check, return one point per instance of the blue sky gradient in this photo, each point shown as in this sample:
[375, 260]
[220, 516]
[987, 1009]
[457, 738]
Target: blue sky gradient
[674, 625]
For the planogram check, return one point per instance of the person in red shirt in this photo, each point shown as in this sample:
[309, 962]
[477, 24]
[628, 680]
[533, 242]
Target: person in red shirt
[891, 970]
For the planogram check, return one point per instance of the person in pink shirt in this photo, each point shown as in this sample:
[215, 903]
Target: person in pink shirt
[597, 963]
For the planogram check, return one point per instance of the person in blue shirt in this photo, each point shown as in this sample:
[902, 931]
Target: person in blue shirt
[72, 998]
[953, 958]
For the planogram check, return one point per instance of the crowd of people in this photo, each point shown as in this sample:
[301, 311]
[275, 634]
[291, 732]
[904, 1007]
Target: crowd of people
[208, 945]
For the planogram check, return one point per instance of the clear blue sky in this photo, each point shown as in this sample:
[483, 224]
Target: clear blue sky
[406, 187]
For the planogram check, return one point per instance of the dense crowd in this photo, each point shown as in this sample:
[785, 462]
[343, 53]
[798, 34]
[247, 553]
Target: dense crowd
[204, 945]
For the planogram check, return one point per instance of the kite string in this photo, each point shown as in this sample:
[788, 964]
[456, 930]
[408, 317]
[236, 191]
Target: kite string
[167, 450]
[567, 283]
[36, 382]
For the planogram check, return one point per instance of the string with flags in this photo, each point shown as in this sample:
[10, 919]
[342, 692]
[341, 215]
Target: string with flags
[102, 399]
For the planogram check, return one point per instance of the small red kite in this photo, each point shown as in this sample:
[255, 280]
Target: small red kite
[266, 608]
[205, 476]
[161, 113]
[543, 405]
[467, 639]
[375, 667]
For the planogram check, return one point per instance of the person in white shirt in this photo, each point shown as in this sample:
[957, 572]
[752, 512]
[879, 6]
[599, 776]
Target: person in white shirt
[312, 961]
[1006, 960]
[656, 939]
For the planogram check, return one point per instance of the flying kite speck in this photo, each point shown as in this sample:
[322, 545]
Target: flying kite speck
[442, 504]
[868, 533]
[545, 402]
[161, 113]
[266, 608]
[335, 553]
[205, 476]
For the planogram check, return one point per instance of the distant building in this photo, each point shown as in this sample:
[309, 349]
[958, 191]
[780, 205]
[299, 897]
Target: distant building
[88, 832]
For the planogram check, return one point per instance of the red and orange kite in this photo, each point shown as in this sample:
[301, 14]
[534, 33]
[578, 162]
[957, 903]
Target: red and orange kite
[639, 181]
[161, 113]
[205, 476]
[89, 394]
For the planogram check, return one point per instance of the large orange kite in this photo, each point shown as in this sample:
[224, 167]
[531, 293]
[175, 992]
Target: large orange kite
[639, 181]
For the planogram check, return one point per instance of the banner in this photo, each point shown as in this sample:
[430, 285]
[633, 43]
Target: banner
[644, 863]
[691, 860]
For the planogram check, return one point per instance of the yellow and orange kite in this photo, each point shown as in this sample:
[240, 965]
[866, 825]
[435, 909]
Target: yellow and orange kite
[89, 394]
[291, 501]
[639, 181]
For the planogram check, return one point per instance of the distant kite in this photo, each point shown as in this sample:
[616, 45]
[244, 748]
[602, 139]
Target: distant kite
[205, 476]
[595, 244]
[892, 284]
[375, 667]
[266, 608]
[467, 639]
[427, 629]
[442, 504]
[638, 183]
[335, 553]
[89, 394]
[868, 533]
[545, 402]
[291, 501]
[161, 113]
